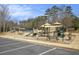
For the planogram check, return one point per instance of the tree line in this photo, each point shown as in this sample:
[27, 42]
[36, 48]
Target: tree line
[6, 23]
[61, 14]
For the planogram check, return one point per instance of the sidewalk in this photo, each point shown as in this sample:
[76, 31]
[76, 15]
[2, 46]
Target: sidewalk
[73, 45]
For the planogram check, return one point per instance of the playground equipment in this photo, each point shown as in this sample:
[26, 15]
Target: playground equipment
[34, 32]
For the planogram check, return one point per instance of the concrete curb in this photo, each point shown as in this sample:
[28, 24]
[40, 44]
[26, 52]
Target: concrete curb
[42, 42]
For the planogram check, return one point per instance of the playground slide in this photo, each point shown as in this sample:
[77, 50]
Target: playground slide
[29, 34]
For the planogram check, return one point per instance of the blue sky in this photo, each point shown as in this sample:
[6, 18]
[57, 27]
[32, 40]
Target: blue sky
[25, 11]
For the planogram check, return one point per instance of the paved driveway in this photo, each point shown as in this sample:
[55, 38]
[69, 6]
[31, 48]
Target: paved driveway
[14, 47]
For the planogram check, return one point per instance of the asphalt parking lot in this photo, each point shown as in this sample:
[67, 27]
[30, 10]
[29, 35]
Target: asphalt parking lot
[14, 47]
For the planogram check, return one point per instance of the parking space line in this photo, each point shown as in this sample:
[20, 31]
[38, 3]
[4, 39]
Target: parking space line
[47, 51]
[16, 49]
[5, 42]
[10, 44]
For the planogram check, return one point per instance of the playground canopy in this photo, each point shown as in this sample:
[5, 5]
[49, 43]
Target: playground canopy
[46, 25]
[56, 24]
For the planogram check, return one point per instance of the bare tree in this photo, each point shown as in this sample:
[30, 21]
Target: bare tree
[4, 17]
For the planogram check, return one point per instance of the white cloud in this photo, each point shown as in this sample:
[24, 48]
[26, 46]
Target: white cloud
[21, 14]
[20, 10]
[19, 7]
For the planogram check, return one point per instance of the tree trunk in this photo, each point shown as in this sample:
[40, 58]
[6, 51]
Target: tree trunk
[3, 27]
